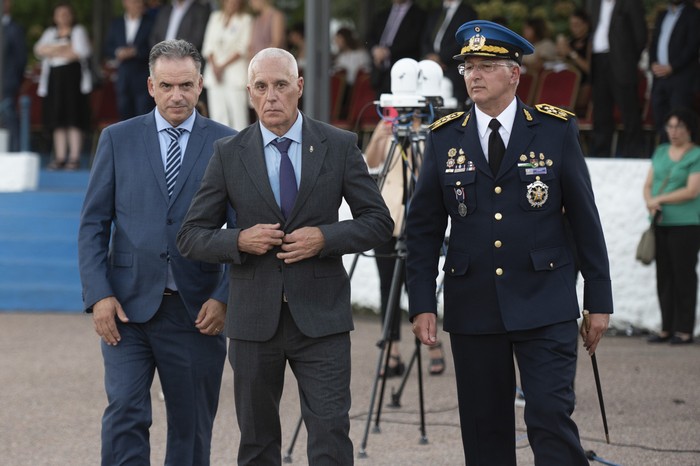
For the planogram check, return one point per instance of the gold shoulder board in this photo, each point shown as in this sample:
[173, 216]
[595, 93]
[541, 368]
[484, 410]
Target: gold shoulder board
[554, 111]
[445, 119]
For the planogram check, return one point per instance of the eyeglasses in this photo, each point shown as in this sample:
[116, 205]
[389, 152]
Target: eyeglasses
[672, 127]
[465, 69]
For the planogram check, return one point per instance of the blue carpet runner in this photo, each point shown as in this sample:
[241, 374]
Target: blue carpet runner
[38, 245]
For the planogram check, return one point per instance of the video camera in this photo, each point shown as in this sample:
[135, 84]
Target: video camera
[417, 86]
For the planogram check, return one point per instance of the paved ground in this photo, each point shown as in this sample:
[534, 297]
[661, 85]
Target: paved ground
[51, 401]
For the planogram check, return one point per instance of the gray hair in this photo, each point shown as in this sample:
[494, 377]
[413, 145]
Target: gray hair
[279, 54]
[173, 50]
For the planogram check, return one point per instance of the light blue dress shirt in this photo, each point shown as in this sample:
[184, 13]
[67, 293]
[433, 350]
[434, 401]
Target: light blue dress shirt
[273, 156]
[667, 25]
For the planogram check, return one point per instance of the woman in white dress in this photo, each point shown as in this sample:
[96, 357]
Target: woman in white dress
[226, 42]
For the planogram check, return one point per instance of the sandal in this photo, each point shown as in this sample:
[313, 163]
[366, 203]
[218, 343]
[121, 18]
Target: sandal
[72, 165]
[437, 365]
[397, 369]
[56, 165]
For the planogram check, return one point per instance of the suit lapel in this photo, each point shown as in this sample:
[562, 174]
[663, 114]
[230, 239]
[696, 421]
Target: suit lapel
[252, 155]
[152, 144]
[313, 152]
[471, 145]
[195, 145]
[520, 137]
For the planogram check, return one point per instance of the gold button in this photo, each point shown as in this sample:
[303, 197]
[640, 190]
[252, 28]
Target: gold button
[452, 270]
[498, 216]
[498, 243]
[459, 183]
[497, 190]
[551, 265]
[499, 271]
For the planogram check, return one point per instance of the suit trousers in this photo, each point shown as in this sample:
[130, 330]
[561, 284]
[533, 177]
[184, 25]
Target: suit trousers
[322, 369]
[190, 366]
[676, 276]
[606, 93]
[485, 373]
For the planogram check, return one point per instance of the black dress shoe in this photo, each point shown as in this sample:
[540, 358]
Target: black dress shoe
[659, 339]
[676, 340]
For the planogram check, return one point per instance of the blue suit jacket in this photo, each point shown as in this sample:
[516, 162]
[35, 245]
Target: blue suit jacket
[136, 68]
[128, 224]
[501, 229]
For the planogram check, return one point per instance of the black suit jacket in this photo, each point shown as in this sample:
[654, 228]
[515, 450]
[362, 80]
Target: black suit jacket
[449, 47]
[191, 29]
[627, 36]
[684, 43]
[406, 44]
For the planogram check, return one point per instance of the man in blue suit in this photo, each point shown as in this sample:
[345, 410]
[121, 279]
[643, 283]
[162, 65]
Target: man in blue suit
[502, 174]
[153, 308]
[127, 43]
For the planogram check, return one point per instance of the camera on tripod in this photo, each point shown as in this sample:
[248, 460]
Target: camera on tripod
[418, 87]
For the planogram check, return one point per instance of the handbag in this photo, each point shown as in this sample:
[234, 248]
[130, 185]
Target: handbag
[646, 249]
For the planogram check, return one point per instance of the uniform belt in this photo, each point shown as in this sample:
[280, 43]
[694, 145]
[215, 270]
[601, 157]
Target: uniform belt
[169, 292]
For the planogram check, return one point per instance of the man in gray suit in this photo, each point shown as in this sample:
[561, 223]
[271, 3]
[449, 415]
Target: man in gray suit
[153, 308]
[289, 292]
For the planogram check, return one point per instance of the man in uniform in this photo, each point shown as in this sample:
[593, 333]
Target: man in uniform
[502, 174]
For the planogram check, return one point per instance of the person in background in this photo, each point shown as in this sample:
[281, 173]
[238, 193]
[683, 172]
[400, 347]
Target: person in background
[351, 56]
[297, 44]
[574, 51]
[438, 42]
[226, 43]
[394, 34]
[672, 189]
[127, 45]
[286, 176]
[502, 174]
[153, 308]
[536, 31]
[269, 27]
[65, 84]
[14, 61]
[397, 183]
[181, 19]
[619, 37]
[673, 58]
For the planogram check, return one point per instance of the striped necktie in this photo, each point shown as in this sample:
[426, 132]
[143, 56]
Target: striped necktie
[173, 158]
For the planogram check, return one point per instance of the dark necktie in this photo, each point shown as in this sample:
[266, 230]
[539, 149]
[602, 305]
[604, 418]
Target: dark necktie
[496, 147]
[288, 180]
[173, 158]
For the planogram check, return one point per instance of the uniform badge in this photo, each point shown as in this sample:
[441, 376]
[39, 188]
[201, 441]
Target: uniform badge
[461, 159]
[549, 162]
[452, 152]
[450, 166]
[537, 193]
[528, 117]
[523, 158]
[460, 195]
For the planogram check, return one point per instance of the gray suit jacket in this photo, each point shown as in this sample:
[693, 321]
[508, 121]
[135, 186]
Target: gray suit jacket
[128, 224]
[318, 289]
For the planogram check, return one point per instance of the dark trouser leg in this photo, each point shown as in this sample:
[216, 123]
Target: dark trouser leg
[547, 364]
[665, 279]
[682, 245]
[485, 377]
[603, 99]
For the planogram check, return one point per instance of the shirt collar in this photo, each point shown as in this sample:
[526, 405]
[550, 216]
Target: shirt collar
[293, 133]
[187, 125]
[506, 118]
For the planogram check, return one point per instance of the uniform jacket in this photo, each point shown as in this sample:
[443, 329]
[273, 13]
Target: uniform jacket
[317, 289]
[509, 265]
[128, 224]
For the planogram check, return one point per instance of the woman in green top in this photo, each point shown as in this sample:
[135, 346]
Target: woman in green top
[672, 187]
